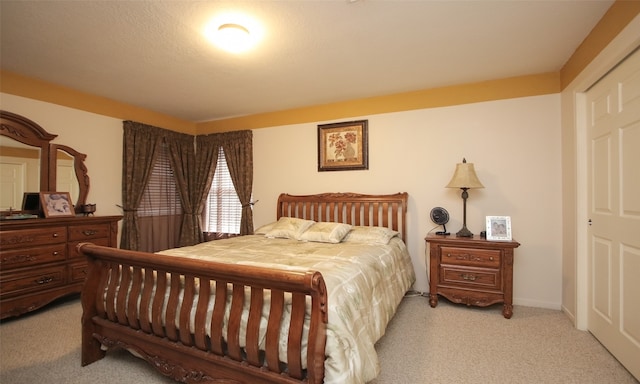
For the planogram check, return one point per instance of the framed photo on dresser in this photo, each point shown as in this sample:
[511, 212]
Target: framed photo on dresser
[56, 204]
[499, 228]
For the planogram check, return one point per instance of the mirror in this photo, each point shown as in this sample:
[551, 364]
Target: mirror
[29, 163]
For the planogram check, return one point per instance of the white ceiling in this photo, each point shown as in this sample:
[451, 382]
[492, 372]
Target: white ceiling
[153, 54]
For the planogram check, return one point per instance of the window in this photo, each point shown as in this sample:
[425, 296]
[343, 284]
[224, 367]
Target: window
[161, 196]
[160, 211]
[224, 210]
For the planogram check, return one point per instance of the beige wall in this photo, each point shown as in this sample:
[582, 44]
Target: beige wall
[514, 143]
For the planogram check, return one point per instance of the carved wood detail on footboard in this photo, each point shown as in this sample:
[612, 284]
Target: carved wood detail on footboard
[121, 309]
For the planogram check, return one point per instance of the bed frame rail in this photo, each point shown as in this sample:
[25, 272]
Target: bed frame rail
[351, 208]
[122, 309]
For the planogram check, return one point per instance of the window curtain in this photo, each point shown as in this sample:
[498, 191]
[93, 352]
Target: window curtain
[140, 145]
[193, 177]
[238, 150]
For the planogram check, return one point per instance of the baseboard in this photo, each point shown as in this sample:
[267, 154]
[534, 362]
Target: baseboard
[569, 314]
[537, 304]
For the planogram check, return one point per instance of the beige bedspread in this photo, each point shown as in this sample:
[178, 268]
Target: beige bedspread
[365, 284]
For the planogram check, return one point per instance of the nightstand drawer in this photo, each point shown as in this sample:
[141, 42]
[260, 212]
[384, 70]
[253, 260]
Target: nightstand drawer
[489, 258]
[470, 277]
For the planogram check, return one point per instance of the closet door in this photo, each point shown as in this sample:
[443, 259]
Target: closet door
[613, 175]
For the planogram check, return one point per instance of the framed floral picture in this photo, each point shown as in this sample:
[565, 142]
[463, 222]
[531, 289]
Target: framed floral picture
[499, 228]
[343, 146]
[56, 204]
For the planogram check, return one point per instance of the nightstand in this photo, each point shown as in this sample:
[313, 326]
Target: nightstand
[471, 271]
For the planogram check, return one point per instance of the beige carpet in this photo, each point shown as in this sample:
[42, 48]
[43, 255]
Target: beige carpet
[448, 344]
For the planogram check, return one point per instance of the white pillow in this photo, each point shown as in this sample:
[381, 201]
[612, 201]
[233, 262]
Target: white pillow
[289, 228]
[326, 232]
[370, 235]
[264, 229]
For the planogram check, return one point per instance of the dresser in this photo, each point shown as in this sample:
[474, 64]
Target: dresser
[471, 271]
[39, 261]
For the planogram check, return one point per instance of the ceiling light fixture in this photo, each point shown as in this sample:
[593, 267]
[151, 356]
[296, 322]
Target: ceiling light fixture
[233, 38]
[233, 33]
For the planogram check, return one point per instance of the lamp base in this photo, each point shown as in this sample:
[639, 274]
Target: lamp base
[464, 232]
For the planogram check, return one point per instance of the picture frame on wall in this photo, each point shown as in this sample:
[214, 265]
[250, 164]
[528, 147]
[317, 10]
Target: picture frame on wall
[343, 146]
[499, 228]
[56, 204]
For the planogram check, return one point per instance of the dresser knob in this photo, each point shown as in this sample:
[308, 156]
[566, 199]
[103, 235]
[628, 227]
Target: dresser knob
[55, 234]
[469, 277]
[491, 258]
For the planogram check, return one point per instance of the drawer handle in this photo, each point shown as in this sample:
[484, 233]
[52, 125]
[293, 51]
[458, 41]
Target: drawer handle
[89, 232]
[55, 234]
[469, 277]
[45, 280]
[466, 256]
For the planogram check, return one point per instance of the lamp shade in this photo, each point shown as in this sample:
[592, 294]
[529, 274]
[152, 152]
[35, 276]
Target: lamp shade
[465, 177]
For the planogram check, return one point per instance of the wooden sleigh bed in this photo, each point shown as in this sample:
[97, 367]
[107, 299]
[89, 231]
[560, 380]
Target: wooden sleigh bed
[244, 322]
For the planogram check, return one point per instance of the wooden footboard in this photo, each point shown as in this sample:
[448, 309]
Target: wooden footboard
[122, 309]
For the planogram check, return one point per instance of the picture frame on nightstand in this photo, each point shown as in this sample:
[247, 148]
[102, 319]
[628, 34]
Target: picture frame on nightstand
[499, 228]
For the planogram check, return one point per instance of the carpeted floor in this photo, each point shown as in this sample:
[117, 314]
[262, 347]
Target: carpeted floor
[448, 344]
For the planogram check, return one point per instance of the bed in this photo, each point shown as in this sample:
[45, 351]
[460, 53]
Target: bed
[304, 299]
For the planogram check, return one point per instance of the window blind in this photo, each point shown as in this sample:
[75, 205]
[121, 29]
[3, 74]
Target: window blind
[161, 196]
[224, 209]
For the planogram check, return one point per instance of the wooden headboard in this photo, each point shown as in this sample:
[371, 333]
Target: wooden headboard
[351, 208]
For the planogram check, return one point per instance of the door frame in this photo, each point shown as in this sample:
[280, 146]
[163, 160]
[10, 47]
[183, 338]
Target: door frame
[624, 44]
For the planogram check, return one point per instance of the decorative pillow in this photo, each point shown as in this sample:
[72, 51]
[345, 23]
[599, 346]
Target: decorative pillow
[289, 228]
[370, 235]
[326, 232]
[264, 229]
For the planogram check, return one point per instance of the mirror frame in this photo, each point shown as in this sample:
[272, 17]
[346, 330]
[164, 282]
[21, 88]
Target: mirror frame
[28, 132]
[80, 170]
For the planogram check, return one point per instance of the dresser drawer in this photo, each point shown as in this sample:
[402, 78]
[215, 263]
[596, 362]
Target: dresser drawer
[32, 280]
[471, 277]
[32, 256]
[73, 252]
[78, 272]
[88, 231]
[489, 258]
[32, 237]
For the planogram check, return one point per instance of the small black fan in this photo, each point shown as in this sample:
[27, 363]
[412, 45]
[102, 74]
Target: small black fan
[440, 216]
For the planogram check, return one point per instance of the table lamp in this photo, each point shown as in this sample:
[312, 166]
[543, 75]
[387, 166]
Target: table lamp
[464, 178]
